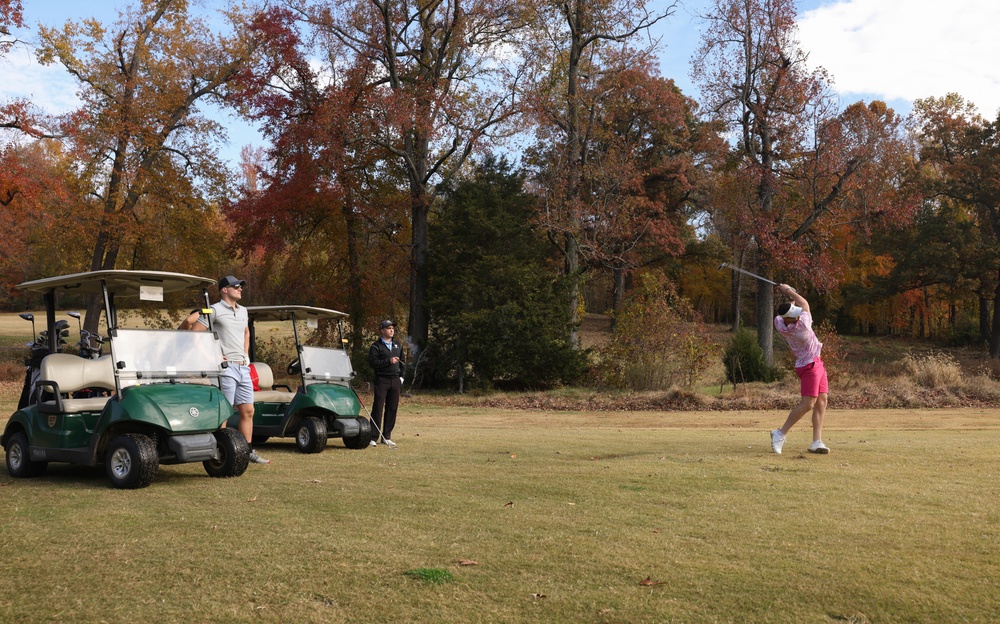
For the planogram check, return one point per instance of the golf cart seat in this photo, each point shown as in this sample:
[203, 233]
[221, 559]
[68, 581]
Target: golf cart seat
[62, 374]
[265, 381]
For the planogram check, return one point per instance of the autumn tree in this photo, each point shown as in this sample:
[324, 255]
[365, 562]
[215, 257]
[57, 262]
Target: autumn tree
[961, 153]
[577, 51]
[138, 135]
[440, 70]
[796, 160]
[321, 209]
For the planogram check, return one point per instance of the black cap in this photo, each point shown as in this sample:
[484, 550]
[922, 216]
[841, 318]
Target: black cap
[229, 280]
[386, 323]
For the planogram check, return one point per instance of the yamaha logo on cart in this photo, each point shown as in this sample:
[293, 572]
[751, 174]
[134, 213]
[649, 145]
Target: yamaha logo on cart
[194, 412]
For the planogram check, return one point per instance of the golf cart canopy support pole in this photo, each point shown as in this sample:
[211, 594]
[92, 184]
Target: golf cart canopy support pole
[50, 320]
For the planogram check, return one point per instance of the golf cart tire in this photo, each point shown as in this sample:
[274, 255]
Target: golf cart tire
[131, 461]
[19, 462]
[311, 435]
[364, 437]
[234, 455]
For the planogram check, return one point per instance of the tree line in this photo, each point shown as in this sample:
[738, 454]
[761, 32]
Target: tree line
[486, 169]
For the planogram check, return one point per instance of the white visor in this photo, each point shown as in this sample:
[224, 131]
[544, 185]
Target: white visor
[793, 312]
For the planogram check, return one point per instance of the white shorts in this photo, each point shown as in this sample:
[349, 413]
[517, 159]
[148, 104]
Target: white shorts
[236, 384]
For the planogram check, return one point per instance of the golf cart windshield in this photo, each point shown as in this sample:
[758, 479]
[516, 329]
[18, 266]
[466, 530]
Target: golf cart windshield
[322, 365]
[154, 356]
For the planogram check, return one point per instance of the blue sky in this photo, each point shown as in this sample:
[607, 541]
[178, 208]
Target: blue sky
[894, 50]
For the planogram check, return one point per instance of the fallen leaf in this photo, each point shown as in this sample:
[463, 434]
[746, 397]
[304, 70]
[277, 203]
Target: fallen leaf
[513, 455]
[570, 503]
[649, 582]
[252, 500]
[467, 562]
[538, 596]
[509, 504]
[657, 530]
[315, 481]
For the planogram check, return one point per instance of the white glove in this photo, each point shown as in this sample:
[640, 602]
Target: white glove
[400, 381]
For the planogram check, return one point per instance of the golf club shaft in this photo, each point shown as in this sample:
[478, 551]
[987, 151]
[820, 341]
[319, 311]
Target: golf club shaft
[371, 419]
[763, 279]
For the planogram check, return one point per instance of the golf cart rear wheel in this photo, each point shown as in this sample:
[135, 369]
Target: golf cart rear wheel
[234, 455]
[311, 435]
[131, 461]
[19, 462]
[364, 437]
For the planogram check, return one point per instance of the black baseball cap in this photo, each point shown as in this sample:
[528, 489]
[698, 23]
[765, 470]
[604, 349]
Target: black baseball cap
[229, 280]
[386, 323]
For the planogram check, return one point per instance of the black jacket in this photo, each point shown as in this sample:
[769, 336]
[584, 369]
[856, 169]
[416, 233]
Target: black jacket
[379, 355]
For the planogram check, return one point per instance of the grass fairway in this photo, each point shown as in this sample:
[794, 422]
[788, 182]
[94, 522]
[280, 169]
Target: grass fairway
[565, 515]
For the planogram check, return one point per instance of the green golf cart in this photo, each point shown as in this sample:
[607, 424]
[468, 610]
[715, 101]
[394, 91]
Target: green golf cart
[324, 405]
[157, 399]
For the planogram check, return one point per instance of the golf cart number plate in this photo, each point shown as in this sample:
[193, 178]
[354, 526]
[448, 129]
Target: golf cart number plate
[151, 293]
[312, 323]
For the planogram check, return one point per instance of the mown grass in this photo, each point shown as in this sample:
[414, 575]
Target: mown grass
[537, 517]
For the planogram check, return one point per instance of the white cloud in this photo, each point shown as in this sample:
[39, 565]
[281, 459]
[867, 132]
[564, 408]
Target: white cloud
[49, 87]
[908, 49]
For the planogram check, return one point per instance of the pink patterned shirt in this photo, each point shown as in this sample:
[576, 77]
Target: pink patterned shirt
[801, 338]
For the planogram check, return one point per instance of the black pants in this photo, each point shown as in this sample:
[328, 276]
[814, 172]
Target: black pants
[387, 391]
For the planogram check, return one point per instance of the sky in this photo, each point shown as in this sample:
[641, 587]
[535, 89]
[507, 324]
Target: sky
[892, 50]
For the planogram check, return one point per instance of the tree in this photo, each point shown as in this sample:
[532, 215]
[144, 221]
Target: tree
[138, 134]
[961, 152]
[445, 87]
[321, 208]
[576, 51]
[796, 159]
[497, 306]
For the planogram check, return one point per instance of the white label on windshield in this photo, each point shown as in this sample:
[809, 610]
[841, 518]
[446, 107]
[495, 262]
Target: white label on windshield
[171, 370]
[151, 293]
[312, 323]
[327, 375]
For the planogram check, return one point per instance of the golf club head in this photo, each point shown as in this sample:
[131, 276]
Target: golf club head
[75, 315]
[28, 316]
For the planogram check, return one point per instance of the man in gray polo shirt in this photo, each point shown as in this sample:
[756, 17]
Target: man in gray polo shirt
[231, 322]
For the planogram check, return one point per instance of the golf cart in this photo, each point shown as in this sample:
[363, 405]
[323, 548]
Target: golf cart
[324, 405]
[162, 402]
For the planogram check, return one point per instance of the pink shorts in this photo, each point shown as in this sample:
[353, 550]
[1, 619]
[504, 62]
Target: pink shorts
[813, 378]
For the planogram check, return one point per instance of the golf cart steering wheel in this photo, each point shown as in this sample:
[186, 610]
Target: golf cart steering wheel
[294, 368]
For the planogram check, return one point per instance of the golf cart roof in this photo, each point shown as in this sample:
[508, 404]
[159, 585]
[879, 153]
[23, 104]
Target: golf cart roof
[285, 312]
[120, 282]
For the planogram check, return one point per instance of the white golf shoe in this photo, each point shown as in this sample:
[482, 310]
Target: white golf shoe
[819, 447]
[777, 441]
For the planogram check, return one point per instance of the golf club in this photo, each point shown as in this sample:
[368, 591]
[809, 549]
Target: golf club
[729, 266]
[28, 316]
[392, 446]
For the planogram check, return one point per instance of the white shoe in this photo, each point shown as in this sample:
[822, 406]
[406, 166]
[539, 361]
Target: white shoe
[373, 443]
[819, 447]
[777, 441]
[389, 443]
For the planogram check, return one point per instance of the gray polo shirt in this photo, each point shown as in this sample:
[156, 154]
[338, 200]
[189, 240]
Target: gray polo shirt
[231, 325]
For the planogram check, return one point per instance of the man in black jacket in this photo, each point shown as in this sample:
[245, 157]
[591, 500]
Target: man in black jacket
[386, 358]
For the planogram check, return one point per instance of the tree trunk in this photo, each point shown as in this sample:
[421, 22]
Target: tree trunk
[984, 320]
[765, 320]
[736, 292]
[995, 328]
[418, 324]
[572, 268]
[356, 299]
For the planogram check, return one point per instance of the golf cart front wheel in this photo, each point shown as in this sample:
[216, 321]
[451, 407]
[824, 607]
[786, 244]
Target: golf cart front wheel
[19, 462]
[233, 455]
[131, 461]
[311, 435]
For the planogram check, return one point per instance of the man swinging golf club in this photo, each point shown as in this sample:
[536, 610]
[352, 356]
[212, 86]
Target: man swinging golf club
[794, 323]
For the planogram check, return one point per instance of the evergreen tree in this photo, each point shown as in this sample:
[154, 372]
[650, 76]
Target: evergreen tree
[495, 294]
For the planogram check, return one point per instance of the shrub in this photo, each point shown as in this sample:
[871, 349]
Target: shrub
[935, 370]
[744, 359]
[657, 344]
